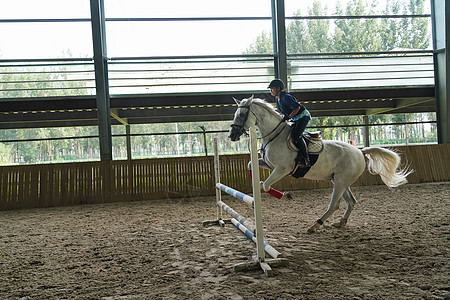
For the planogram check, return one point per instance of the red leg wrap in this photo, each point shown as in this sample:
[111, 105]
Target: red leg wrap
[273, 192]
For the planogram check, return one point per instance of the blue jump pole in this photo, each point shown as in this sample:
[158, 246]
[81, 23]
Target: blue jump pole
[269, 249]
[237, 216]
[241, 196]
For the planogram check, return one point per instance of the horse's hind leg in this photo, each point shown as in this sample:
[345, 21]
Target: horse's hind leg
[338, 191]
[350, 200]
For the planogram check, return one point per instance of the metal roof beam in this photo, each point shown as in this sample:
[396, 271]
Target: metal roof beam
[400, 103]
[115, 114]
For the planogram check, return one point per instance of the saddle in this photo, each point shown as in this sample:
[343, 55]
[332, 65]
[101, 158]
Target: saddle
[314, 146]
[313, 141]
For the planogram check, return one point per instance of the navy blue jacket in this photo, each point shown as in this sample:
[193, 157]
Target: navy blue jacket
[288, 103]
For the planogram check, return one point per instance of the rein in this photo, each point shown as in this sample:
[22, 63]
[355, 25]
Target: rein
[281, 122]
[263, 146]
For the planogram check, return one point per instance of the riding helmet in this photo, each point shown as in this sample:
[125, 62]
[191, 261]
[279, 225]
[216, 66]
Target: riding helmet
[276, 83]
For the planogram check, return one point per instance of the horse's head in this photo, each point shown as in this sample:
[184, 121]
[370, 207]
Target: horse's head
[243, 120]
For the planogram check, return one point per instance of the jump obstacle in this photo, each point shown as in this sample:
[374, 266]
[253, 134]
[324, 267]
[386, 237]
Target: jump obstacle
[253, 232]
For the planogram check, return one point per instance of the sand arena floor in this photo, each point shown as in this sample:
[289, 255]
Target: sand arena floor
[396, 246]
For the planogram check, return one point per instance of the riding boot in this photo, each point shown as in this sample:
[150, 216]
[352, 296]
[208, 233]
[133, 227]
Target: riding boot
[304, 152]
[300, 142]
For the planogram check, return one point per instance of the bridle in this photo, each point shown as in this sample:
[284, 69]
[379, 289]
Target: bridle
[241, 129]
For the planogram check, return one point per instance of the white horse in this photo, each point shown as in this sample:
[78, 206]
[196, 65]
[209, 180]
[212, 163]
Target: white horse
[339, 162]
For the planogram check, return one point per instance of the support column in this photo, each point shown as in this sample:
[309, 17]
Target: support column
[366, 131]
[279, 40]
[101, 78]
[440, 17]
[128, 140]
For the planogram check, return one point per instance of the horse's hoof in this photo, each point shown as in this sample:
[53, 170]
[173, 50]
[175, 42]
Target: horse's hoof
[341, 224]
[287, 196]
[313, 229]
[337, 225]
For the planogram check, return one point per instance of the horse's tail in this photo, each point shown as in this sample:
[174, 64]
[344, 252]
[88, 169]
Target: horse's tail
[386, 163]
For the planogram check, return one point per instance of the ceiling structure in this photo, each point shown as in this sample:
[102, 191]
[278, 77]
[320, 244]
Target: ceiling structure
[139, 109]
[419, 94]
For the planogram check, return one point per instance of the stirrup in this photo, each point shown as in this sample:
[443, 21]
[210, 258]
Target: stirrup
[301, 161]
[306, 162]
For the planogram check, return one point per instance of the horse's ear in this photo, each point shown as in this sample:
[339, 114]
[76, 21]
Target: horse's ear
[237, 101]
[250, 100]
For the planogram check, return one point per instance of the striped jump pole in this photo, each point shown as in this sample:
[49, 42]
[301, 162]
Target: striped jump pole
[237, 216]
[269, 249]
[241, 196]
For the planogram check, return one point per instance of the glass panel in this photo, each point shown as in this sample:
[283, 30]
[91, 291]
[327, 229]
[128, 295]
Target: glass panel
[421, 129]
[356, 72]
[182, 8]
[333, 7]
[48, 9]
[45, 40]
[182, 38]
[357, 35]
[143, 77]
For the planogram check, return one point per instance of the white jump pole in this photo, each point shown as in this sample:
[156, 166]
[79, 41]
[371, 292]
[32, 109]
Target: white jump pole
[257, 199]
[217, 178]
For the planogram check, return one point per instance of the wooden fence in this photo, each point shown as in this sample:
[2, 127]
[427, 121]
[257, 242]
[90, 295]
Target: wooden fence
[31, 186]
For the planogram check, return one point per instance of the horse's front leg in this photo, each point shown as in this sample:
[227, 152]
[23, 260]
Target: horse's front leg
[273, 192]
[277, 174]
[262, 164]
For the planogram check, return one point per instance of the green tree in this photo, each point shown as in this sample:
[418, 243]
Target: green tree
[296, 41]
[262, 45]
[318, 29]
[354, 35]
[389, 28]
[415, 34]
[302, 36]
[5, 154]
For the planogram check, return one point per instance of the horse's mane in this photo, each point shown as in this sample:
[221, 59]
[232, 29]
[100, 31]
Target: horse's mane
[267, 106]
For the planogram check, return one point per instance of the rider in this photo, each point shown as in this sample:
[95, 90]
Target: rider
[291, 109]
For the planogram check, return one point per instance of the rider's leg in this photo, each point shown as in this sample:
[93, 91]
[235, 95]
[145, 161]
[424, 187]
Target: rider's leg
[300, 126]
[304, 152]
